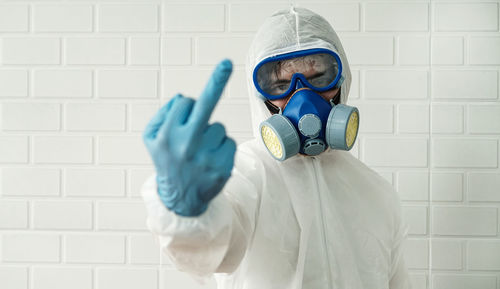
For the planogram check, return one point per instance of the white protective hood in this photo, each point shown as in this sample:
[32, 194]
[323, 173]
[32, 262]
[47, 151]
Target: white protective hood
[287, 31]
[309, 222]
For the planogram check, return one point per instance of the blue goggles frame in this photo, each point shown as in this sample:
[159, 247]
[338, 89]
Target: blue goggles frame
[298, 75]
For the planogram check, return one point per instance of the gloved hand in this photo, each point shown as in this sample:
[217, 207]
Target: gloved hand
[193, 159]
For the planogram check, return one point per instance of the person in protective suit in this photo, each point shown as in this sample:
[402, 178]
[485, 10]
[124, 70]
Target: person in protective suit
[292, 208]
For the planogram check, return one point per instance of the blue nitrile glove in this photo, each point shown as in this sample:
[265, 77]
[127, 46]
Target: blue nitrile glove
[193, 159]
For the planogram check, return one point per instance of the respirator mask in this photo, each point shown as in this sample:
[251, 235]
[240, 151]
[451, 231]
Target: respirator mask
[308, 124]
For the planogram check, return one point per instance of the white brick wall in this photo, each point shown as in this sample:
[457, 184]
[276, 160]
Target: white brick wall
[13, 83]
[103, 50]
[128, 18]
[95, 249]
[30, 116]
[456, 281]
[32, 247]
[79, 80]
[66, 215]
[111, 278]
[14, 18]
[396, 17]
[31, 50]
[62, 83]
[14, 277]
[62, 277]
[466, 16]
[62, 18]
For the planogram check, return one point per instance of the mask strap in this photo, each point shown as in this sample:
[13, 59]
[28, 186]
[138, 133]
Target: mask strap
[273, 109]
[336, 99]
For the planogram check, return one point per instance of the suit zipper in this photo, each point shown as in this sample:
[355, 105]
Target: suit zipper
[323, 223]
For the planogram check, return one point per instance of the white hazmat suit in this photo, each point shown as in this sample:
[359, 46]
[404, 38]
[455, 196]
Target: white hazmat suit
[309, 222]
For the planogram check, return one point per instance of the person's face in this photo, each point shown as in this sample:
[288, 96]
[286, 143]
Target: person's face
[310, 67]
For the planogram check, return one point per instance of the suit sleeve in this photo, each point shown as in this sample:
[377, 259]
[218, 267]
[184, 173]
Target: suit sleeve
[214, 242]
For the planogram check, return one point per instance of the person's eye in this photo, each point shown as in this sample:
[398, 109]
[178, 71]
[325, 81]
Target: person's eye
[279, 88]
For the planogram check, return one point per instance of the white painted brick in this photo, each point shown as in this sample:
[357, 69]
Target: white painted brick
[177, 277]
[30, 116]
[189, 82]
[95, 249]
[127, 84]
[144, 250]
[193, 18]
[447, 119]
[484, 119]
[121, 216]
[122, 150]
[376, 118]
[342, 16]
[141, 114]
[13, 214]
[62, 149]
[446, 254]
[62, 83]
[381, 50]
[413, 186]
[416, 253]
[14, 149]
[30, 248]
[396, 17]
[137, 177]
[14, 277]
[455, 221]
[447, 51]
[447, 187]
[62, 278]
[472, 84]
[62, 215]
[456, 153]
[484, 50]
[95, 117]
[226, 114]
[237, 87]
[395, 152]
[30, 182]
[128, 17]
[483, 255]
[95, 51]
[416, 217]
[418, 281]
[62, 18]
[13, 83]
[94, 182]
[394, 84]
[30, 51]
[112, 278]
[466, 16]
[249, 16]
[413, 50]
[177, 51]
[14, 18]
[144, 51]
[463, 281]
[413, 118]
[211, 50]
[483, 187]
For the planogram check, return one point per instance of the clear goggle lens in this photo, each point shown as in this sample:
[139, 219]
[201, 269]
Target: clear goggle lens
[276, 77]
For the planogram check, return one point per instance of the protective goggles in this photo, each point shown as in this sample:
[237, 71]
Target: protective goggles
[319, 69]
